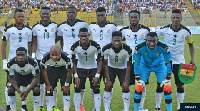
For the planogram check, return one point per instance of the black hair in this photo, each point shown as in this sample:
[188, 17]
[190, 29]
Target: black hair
[152, 34]
[21, 49]
[134, 11]
[100, 9]
[176, 11]
[83, 29]
[18, 10]
[117, 33]
[71, 7]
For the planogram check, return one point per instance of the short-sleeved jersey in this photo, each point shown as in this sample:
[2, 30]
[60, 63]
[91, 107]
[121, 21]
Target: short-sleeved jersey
[117, 59]
[86, 57]
[152, 58]
[63, 61]
[133, 38]
[17, 38]
[176, 41]
[46, 36]
[70, 33]
[31, 67]
[102, 35]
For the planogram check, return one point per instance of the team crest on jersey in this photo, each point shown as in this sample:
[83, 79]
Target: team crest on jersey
[124, 56]
[92, 52]
[142, 35]
[167, 50]
[135, 52]
[108, 31]
[157, 54]
[52, 30]
[26, 34]
[29, 70]
[182, 37]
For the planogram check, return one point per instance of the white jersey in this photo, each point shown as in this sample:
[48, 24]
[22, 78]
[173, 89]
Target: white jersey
[176, 41]
[63, 61]
[70, 33]
[102, 35]
[86, 58]
[133, 38]
[31, 67]
[46, 36]
[17, 38]
[117, 59]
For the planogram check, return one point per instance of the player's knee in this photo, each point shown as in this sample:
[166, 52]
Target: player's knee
[36, 91]
[125, 91]
[159, 89]
[180, 90]
[77, 90]
[168, 97]
[137, 97]
[96, 90]
[66, 94]
[179, 85]
[11, 89]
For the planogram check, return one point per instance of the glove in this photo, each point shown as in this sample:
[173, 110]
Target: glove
[139, 87]
[5, 64]
[167, 88]
[165, 82]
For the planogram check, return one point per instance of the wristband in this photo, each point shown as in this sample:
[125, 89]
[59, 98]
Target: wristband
[97, 75]
[137, 77]
[168, 77]
[75, 75]
[33, 55]
[66, 84]
[5, 64]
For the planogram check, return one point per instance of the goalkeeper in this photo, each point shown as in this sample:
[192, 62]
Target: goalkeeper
[152, 55]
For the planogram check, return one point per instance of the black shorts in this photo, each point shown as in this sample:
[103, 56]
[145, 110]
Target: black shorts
[23, 80]
[56, 73]
[83, 74]
[41, 76]
[121, 73]
[175, 72]
[132, 75]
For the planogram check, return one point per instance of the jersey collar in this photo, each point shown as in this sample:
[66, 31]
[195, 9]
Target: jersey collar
[130, 27]
[74, 24]
[45, 25]
[106, 22]
[177, 30]
[121, 47]
[88, 44]
[21, 28]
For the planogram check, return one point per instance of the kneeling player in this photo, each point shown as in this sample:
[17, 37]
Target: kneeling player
[56, 65]
[117, 59]
[23, 70]
[152, 56]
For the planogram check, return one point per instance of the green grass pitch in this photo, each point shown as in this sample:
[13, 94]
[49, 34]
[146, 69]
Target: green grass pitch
[192, 92]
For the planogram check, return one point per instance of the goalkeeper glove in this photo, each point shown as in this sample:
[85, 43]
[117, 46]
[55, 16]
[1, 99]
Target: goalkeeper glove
[139, 87]
[167, 84]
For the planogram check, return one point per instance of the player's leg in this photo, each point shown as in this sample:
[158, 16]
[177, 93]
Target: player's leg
[52, 73]
[144, 75]
[161, 75]
[6, 95]
[180, 86]
[24, 88]
[158, 95]
[11, 98]
[107, 96]
[36, 97]
[66, 96]
[95, 89]
[126, 93]
[42, 88]
[82, 74]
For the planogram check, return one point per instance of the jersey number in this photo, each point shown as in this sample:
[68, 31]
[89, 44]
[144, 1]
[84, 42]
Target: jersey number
[73, 35]
[174, 43]
[20, 39]
[116, 58]
[135, 40]
[46, 35]
[101, 36]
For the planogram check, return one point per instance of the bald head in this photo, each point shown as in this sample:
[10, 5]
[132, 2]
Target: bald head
[55, 53]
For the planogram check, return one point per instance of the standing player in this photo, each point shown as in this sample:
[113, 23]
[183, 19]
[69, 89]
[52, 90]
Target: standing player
[101, 32]
[18, 35]
[56, 65]
[23, 70]
[134, 34]
[44, 33]
[117, 59]
[175, 35]
[87, 66]
[152, 56]
[68, 33]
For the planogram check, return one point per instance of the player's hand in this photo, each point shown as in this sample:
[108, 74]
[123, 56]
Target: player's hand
[192, 62]
[125, 86]
[108, 85]
[165, 82]
[77, 82]
[49, 88]
[23, 95]
[95, 81]
[65, 89]
[139, 87]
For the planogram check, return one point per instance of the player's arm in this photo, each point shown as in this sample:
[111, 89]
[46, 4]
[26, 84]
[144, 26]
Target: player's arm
[60, 38]
[45, 76]
[191, 48]
[3, 48]
[69, 72]
[34, 46]
[33, 83]
[14, 83]
[30, 48]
